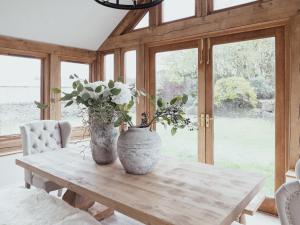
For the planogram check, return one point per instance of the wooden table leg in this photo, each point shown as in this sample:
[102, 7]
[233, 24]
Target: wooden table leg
[77, 201]
[96, 209]
[242, 219]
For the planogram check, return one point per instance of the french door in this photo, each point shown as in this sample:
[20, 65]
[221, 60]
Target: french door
[237, 89]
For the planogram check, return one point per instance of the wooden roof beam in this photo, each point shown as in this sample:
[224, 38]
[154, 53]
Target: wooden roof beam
[260, 13]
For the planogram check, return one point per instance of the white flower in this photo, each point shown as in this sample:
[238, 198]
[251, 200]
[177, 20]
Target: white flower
[93, 85]
[96, 84]
[125, 95]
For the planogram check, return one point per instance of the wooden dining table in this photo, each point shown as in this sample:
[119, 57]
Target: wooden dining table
[175, 193]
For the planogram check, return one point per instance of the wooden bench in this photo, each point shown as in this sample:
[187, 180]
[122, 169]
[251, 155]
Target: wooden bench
[252, 207]
[35, 206]
[235, 223]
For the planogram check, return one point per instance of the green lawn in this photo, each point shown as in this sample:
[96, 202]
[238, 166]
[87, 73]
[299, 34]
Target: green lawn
[241, 143]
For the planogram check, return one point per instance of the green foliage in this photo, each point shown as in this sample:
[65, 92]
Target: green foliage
[56, 90]
[115, 91]
[105, 102]
[234, 92]
[263, 89]
[170, 114]
[40, 105]
[177, 72]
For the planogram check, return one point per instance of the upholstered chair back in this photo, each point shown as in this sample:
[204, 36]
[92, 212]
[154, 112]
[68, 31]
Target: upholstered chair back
[44, 135]
[288, 203]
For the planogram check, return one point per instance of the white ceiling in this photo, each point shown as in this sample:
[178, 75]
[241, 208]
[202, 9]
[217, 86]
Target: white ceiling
[74, 23]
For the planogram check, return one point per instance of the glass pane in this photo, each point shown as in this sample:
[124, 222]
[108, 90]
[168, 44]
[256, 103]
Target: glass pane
[20, 86]
[130, 74]
[143, 23]
[176, 9]
[72, 113]
[244, 107]
[109, 68]
[176, 73]
[222, 4]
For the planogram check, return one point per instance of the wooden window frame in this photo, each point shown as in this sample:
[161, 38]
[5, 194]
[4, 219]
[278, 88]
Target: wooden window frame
[122, 69]
[139, 20]
[78, 132]
[204, 71]
[11, 144]
[282, 103]
[117, 58]
[160, 10]
[210, 6]
[151, 78]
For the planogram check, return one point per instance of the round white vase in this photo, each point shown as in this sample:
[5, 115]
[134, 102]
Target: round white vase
[139, 150]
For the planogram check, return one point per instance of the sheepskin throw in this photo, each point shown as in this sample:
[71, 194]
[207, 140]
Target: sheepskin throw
[20, 206]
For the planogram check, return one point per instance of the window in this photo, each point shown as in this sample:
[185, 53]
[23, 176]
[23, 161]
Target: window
[109, 67]
[130, 67]
[244, 127]
[143, 23]
[73, 112]
[176, 9]
[222, 4]
[130, 74]
[20, 86]
[176, 72]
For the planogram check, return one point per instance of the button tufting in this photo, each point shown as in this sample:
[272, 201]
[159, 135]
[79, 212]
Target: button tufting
[51, 135]
[45, 128]
[46, 144]
[40, 137]
[34, 145]
[31, 129]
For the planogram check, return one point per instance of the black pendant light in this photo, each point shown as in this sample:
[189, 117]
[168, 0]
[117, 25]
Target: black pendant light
[117, 4]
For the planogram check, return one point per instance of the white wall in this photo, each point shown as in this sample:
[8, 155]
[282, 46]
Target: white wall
[75, 23]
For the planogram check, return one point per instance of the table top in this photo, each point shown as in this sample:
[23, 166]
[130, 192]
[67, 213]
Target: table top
[175, 193]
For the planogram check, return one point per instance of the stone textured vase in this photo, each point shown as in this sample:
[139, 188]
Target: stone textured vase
[104, 139]
[139, 150]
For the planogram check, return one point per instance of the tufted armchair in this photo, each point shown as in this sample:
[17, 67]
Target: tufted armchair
[288, 203]
[42, 136]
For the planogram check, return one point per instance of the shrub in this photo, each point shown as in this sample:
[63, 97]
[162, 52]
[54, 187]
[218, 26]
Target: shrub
[234, 92]
[262, 88]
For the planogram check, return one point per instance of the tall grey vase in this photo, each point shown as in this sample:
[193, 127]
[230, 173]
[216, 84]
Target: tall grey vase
[139, 150]
[104, 139]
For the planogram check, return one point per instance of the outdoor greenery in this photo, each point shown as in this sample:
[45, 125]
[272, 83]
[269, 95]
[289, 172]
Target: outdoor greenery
[234, 92]
[244, 98]
[112, 102]
[170, 114]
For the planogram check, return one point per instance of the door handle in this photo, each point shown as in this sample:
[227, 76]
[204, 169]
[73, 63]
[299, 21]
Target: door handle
[205, 120]
[208, 118]
[202, 120]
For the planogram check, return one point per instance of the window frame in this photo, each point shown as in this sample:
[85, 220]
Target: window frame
[102, 63]
[139, 20]
[160, 6]
[10, 144]
[77, 132]
[210, 6]
[137, 78]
